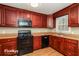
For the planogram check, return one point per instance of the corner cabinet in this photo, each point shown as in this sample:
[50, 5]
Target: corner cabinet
[68, 47]
[73, 16]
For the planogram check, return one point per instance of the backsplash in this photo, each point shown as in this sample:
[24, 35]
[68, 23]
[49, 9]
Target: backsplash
[72, 30]
[5, 30]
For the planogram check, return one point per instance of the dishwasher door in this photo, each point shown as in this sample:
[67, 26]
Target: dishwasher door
[45, 41]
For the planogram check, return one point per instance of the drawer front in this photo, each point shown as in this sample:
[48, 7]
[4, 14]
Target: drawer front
[7, 40]
[72, 41]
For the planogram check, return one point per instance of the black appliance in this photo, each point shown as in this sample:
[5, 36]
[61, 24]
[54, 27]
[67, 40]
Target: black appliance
[45, 41]
[24, 42]
[24, 22]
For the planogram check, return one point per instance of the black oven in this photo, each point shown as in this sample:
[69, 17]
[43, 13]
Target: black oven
[24, 22]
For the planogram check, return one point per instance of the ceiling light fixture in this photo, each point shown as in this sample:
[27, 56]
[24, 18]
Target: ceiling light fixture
[34, 4]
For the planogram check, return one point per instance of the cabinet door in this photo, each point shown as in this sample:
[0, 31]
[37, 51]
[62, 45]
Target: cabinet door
[23, 14]
[2, 16]
[44, 21]
[0, 49]
[73, 17]
[36, 42]
[36, 20]
[9, 48]
[11, 17]
[71, 47]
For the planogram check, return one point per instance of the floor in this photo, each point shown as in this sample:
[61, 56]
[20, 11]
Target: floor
[44, 52]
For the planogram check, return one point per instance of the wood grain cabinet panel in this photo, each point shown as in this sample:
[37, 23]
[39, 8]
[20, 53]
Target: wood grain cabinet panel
[73, 16]
[71, 47]
[2, 16]
[36, 20]
[44, 21]
[8, 47]
[11, 17]
[36, 42]
[68, 47]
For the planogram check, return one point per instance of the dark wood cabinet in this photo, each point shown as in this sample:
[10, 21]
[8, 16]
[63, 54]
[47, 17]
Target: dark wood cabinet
[71, 47]
[2, 16]
[73, 16]
[11, 17]
[36, 42]
[8, 47]
[0, 49]
[36, 20]
[44, 21]
[68, 47]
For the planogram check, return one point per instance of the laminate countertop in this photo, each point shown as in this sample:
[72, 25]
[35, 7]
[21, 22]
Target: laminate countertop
[69, 36]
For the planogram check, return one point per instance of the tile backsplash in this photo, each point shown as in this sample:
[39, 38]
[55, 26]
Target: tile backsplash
[15, 30]
[5, 30]
[72, 30]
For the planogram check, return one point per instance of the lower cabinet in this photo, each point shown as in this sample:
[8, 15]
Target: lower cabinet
[71, 47]
[8, 47]
[36, 42]
[0, 49]
[67, 47]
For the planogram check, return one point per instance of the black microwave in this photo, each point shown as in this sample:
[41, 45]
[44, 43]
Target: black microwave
[24, 22]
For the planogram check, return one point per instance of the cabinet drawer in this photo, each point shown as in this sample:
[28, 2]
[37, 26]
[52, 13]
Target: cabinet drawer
[72, 41]
[7, 40]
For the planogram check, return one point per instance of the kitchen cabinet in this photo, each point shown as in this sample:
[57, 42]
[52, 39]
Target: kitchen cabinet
[0, 49]
[2, 16]
[8, 47]
[44, 21]
[36, 42]
[68, 47]
[73, 16]
[71, 47]
[50, 21]
[24, 14]
[36, 20]
[11, 17]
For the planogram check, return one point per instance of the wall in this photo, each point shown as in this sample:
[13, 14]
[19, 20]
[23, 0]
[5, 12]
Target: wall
[5, 30]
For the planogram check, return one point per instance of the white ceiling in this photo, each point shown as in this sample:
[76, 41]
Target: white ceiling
[45, 8]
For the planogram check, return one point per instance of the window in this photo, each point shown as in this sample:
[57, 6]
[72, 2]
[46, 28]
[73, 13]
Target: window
[62, 24]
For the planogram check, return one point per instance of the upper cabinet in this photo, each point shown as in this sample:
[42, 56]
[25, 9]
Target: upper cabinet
[72, 11]
[44, 21]
[11, 16]
[73, 16]
[50, 21]
[2, 17]
[36, 20]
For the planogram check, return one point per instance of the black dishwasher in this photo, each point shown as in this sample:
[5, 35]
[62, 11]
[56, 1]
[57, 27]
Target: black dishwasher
[45, 41]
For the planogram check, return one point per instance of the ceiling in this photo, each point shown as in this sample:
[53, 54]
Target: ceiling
[45, 8]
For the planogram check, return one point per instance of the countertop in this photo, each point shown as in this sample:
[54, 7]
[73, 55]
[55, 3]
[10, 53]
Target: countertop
[69, 36]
